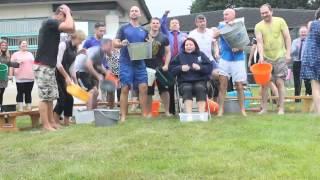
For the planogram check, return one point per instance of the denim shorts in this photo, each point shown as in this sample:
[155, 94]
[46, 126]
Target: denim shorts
[133, 73]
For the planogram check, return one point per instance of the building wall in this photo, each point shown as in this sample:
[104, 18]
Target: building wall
[25, 11]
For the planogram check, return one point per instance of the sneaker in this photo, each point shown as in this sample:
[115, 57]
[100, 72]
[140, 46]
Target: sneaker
[20, 107]
[29, 107]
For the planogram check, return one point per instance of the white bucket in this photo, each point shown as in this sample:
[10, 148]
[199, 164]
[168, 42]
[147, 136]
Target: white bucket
[193, 117]
[235, 35]
[151, 76]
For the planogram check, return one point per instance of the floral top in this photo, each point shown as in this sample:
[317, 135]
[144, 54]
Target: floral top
[112, 62]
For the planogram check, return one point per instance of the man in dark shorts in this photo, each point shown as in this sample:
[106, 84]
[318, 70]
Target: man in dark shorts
[90, 71]
[160, 50]
[46, 60]
[132, 73]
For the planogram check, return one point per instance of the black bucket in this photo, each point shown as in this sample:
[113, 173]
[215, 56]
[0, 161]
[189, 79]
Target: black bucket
[9, 108]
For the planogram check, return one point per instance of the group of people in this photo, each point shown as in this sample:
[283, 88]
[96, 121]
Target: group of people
[192, 59]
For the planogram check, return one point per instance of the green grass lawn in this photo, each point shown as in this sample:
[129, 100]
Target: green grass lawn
[232, 147]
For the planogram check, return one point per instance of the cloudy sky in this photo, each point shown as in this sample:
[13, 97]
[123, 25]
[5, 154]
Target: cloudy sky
[176, 7]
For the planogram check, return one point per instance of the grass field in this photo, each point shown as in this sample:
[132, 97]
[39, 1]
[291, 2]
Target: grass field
[232, 147]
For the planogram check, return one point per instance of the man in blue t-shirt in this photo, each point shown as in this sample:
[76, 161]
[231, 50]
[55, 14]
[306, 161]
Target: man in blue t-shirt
[99, 31]
[132, 73]
[231, 64]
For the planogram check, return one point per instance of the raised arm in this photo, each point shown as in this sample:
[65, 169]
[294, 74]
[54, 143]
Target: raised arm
[68, 24]
[164, 22]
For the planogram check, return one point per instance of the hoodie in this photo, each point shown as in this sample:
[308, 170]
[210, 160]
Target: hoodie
[192, 75]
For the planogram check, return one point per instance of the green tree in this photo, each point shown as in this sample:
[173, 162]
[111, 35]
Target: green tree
[212, 5]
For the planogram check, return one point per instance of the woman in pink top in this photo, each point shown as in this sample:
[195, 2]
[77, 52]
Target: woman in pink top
[23, 75]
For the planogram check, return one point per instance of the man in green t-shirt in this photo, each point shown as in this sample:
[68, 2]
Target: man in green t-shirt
[274, 46]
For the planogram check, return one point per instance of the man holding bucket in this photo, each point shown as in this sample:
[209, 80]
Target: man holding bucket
[274, 46]
[46, 60]
[231, 64]
[132, 72]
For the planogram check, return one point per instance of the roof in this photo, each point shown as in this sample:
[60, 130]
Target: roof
[294, 17]
[141, 3]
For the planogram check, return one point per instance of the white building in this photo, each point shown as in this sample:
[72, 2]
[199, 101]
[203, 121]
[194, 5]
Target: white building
[21, 19]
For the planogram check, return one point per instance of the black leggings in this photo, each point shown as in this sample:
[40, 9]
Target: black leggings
[1, 95]
[24, 89]
[190, 89]
[65, 100]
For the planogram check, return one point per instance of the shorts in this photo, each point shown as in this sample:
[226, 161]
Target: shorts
[87, 81]
[161, 88]
[279, 68]
[190, 89]
[133, 74]
[234, 69]
[45, 77]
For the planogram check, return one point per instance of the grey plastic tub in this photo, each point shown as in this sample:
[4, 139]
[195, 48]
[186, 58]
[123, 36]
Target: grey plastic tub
[231, 106]
[106, 117]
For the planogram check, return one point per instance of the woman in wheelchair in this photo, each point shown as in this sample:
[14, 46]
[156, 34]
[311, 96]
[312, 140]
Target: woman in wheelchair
[192, 69]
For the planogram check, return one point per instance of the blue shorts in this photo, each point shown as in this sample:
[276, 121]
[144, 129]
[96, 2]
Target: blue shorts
[133, 73]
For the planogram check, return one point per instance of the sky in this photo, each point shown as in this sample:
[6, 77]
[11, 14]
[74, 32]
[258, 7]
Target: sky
[176, 7]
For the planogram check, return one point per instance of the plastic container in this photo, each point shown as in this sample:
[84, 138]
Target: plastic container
[236, 35]
[106, 117]
[83, 116]
[246, 94]
[213, 106]
[3, 72]
[155, 107]
[261, 73]
[78, 92]
[231, 106]
[151, 76]
[107, 86]
[140, 50]
[193, 117]
[113, 78]
[9, 108]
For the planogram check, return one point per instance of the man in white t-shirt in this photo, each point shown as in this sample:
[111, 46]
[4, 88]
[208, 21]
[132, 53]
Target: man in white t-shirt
[204, 37]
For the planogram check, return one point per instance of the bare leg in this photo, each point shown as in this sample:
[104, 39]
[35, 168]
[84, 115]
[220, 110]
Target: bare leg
[110, 99]
[134, 98]
[149, 105]
[92, 103]
[316, 95]
[201, 106]
[264, 96]
[53, 123]
[188, 106]
[124, 103]
[222, 93]
[56, 117]
[66, 120]
[274, 90]
[165, 97]
[239, 87]
[43, 110]
[282, 92]
[143, 89]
